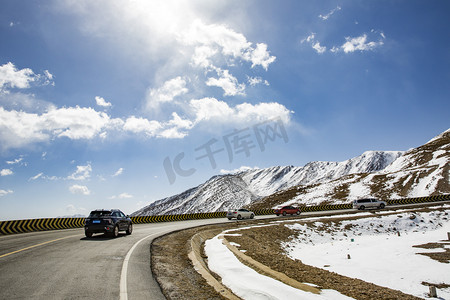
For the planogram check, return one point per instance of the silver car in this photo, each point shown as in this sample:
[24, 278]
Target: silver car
[239, 214]
[368, 203]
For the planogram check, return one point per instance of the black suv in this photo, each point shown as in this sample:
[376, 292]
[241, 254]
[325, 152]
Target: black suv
[107, 221]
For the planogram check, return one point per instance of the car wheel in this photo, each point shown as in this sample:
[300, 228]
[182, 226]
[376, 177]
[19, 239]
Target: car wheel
[298, 212]
[115, 232]
[239, 217]
[130, 229]
[284, 213]
[362, 207]
[252, 216]
[230, 218]
[277, 214]
[88, 234]
[381, 206]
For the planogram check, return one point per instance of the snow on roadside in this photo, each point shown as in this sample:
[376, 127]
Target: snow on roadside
[377, 253]
[249, 284]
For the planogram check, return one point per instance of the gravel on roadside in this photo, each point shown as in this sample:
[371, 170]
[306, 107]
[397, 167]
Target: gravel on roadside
[179, 280]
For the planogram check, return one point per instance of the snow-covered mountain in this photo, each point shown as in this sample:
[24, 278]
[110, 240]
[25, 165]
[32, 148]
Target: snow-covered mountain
[384, 174]
[419, 172]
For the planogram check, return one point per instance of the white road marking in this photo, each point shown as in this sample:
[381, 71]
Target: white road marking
[123, 275]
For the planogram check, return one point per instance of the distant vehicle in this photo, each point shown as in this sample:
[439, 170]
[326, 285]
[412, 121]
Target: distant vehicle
[107, 221]
[239, 214]
[368, 203]
[287, 210]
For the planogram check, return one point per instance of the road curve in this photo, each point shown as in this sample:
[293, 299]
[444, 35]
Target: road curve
[64, 264]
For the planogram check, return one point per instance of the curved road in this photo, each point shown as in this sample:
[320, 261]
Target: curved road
[64, 264]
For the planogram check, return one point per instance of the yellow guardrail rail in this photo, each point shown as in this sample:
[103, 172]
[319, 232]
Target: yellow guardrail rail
[29, 225]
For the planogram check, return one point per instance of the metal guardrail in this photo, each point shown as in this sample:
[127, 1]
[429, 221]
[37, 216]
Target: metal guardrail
[30, 225]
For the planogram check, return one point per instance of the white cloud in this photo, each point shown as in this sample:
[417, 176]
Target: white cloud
[319, 49]
[216, 111]
[229, 42]
[42, 176]
[142, 125]
[6, 172]
[47, 79]
[102, 102]
[118, 172]
[170, 89]
[36, 176]
[74, 122]
[172, 133]
[328, 15]
[73, 210]
[359, 43]
[311, 39]
[5, 192]
[16, 161]
[11, 77]
[178, 122]
[122, 196]
[260, 56]
[19, 128]
[210, 109]
[125, 196]
[228, 83]
[82, 173]
[256, 80]
[202, 56]
[247, 112]
[79, 189]
[176, 128]
[48, 74]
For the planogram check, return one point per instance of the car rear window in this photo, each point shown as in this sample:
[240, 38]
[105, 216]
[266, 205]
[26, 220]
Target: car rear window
[101, 213]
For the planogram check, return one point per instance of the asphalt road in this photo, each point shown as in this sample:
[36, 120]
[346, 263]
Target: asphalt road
[64, 264]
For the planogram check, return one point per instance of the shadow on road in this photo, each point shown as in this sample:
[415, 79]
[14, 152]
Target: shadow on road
[102, 237]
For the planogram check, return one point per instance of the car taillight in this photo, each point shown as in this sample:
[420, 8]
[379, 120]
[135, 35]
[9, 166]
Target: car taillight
[234, 212]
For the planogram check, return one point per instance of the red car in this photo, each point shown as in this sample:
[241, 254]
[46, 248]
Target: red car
[287, 210]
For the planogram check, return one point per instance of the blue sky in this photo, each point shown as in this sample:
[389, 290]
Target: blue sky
[116, 104]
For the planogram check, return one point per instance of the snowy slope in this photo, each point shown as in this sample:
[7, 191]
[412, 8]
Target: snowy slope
[267, 181]
[417, 172]
[393, 240]
[224, 192]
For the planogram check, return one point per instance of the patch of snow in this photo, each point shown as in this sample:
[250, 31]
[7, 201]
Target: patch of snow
[378, 254]
[358, 190]
[249, 284]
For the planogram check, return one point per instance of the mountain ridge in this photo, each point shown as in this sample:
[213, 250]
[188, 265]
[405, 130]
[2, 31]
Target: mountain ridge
[383, 174]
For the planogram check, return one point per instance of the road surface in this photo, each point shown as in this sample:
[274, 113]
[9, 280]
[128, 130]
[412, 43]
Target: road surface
[64, 264]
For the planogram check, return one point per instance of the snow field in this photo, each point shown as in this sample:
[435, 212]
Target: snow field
[249, 284]
[378, 254]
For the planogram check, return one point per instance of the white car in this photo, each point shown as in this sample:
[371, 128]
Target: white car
[239, 214]
[368, 203]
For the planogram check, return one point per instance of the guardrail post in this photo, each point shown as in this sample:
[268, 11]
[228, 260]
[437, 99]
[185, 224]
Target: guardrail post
[433, 293]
